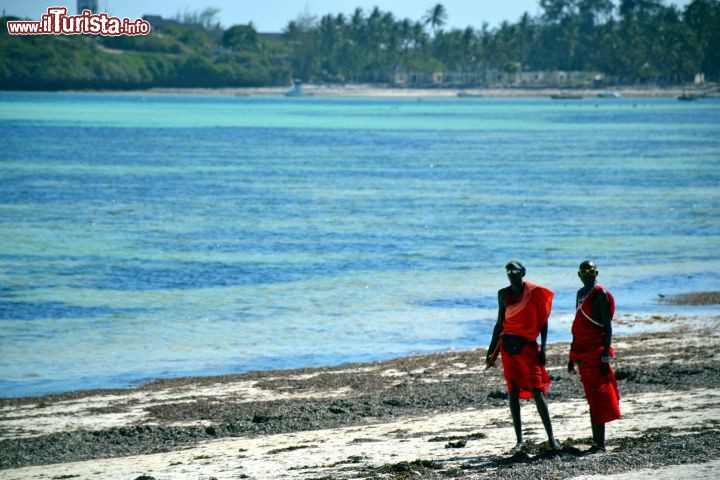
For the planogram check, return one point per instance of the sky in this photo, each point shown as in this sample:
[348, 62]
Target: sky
[273, 15]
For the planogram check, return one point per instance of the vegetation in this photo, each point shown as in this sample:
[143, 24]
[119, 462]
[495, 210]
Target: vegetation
[634, 41]
[175, 54]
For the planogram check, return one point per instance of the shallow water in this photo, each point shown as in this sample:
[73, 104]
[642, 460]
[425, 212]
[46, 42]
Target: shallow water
[146, 236]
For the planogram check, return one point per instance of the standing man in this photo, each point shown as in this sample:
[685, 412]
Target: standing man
[523, 311]
[591, 351]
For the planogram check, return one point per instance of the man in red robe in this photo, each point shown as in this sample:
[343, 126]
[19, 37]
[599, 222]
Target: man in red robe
[523, 311]
[591, 352]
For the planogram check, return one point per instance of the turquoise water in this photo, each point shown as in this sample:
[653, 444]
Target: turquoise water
[150, 236]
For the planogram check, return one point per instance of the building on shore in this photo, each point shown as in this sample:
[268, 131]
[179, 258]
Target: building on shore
[497, 78]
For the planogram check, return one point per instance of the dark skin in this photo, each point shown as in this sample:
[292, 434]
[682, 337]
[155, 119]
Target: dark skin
[517, 285]
[588, 274]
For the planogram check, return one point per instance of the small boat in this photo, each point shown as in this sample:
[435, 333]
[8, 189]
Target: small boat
[612, 94]
[297, 90]
[688, 97]
[566, 96]
[468, 95]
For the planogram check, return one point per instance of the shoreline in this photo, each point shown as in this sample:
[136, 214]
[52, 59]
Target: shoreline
[626, 324]
[375, 91]
[359, 418]
[440, 92]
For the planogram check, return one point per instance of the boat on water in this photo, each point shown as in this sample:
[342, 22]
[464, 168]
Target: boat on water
[566, 96]
[693, 93]
[297, 91]
[689, 97]
[468, 95]
[612, 94]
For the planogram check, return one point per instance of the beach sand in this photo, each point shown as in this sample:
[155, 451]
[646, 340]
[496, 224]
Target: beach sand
[380, 91]
[427, 416]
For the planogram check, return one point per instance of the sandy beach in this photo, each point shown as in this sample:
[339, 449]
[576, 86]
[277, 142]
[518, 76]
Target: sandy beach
[361, 90]
[428, 416]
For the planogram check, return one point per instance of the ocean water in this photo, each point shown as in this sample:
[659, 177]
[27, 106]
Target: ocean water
[147, 236]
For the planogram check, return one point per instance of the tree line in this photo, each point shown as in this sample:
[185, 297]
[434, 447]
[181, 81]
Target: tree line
[634, 41]
[175, 54]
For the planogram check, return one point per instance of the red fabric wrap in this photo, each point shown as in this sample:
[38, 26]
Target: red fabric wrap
[526, 318]
[588, 338]
[601, 391]
[530, 314]
[522, 371]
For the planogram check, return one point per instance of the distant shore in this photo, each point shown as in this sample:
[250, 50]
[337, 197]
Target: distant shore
[438, 415]
[407, 92]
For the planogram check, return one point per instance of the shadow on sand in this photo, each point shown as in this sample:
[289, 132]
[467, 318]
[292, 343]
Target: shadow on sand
[522, 457]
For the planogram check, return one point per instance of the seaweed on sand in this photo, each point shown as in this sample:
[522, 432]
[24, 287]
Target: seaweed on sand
[406, 470]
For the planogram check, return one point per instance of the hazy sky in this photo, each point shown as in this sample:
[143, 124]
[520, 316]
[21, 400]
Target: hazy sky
[273, 15]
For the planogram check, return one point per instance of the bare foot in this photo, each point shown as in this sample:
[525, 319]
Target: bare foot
[595, 449]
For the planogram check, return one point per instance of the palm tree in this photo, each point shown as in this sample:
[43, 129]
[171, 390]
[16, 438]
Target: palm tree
[405, 32]
[419, 36]
[436, 17]
[526, 38]
[467, 47]
[703, 17]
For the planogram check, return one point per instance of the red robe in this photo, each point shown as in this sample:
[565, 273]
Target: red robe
[601, 390]
[526, 317]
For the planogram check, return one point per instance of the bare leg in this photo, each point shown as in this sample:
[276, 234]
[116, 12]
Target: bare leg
[514, 398]
[598, 435]
[545, 416]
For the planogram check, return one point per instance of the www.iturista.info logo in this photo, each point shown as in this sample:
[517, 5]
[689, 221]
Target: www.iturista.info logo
[57, 22]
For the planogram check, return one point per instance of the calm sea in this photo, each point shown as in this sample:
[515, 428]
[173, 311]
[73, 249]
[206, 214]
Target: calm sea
[146, 236]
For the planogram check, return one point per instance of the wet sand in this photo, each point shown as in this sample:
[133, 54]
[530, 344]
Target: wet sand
[428, 416]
